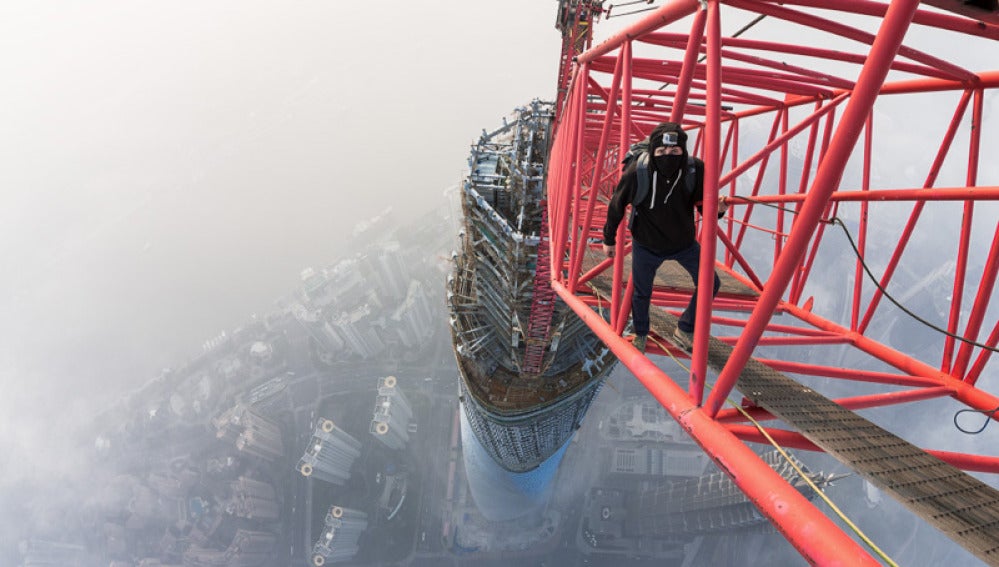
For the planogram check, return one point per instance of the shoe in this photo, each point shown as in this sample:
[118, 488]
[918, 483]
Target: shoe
[683, 339]
[639, 342]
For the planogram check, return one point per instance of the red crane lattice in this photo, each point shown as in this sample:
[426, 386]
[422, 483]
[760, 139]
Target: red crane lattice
[788, 130]
[542, 301]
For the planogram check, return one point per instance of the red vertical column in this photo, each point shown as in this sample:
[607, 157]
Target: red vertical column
[872, 76]
[712, 145]
[988, 280]
[689, 65]
[625, 141]
[579, 250]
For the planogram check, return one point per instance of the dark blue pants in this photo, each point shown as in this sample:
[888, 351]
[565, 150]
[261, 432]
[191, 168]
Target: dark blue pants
[644, 263]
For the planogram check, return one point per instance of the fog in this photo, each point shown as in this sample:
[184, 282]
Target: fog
[167, 169]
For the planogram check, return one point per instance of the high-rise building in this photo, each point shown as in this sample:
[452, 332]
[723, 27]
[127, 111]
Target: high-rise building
[413, 320]
[253, 499]
[392, 414]
[529, 366]
[385, 267]
[357, 330]
[250, 431]
[330, 454]
[351, 287]
[338, 542]
[319, 329]
[316, 288]
[175, 483]
[248, 549]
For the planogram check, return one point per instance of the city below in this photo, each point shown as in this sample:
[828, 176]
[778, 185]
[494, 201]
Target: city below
[327, 432]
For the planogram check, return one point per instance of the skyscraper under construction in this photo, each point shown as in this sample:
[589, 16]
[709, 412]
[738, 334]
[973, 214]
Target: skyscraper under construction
[529, 367]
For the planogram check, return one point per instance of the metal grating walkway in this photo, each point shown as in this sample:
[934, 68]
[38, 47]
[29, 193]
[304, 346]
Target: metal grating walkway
[959, 505]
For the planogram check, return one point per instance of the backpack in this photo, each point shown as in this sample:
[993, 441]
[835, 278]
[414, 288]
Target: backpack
[640, 151]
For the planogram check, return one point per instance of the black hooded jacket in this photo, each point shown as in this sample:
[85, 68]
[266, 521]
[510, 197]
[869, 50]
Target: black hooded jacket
[665, 224]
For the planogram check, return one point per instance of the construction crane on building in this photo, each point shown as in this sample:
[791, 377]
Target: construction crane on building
[575, 22]
[787, 129]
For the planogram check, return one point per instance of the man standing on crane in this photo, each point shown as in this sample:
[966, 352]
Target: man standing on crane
[662, 222]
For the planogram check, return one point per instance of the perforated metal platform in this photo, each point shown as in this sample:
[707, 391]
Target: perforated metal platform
[959, 505]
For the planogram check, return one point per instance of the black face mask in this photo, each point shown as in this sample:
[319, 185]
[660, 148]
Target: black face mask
[668, 165]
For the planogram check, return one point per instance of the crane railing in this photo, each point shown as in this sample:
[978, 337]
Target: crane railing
[793, 133]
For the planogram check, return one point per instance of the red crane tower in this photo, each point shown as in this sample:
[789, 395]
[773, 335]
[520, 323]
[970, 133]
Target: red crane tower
[827, 250]
[575, 21]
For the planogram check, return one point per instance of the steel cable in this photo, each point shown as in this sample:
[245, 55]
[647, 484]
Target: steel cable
[874, 280]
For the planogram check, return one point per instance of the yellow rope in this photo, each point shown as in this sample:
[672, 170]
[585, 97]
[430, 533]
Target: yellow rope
[600, 311]
[842, 516]
[596, 293]
[822, 495]
[801, 473]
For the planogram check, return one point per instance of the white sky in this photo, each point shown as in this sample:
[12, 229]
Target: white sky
[168, 167]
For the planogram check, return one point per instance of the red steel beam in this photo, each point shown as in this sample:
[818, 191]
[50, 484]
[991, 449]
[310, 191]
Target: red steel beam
[983, 357]
[843, 30]
[964, 392]
[987, 282]
[576, 258]
[687, 70]
[625, 141]
[850, 373]
[858, 273]
[708, 241]
[666, 14]
[916, 210]
[981, 193]
[794, 440]
[815, 536]
[827, 178]
[808, 51]
[781, 140]
[966, 26]
[852, 403]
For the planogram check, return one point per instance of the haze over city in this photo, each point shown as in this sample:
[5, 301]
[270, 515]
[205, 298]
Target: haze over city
[167, 170]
